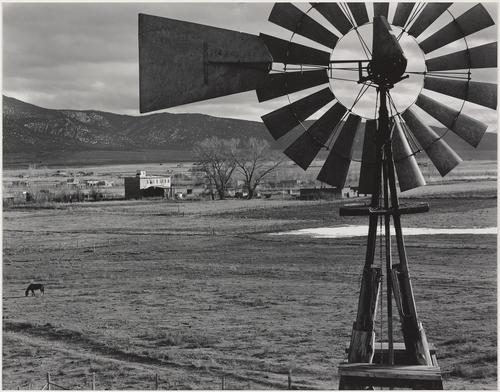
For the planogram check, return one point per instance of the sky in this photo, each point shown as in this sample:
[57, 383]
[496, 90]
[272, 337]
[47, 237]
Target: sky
[84, 55]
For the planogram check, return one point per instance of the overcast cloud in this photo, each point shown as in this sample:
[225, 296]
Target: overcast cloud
[84, 55]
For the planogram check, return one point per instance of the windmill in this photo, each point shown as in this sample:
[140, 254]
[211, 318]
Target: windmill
[182, 62]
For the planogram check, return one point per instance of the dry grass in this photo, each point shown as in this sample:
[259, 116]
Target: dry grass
[195, 290]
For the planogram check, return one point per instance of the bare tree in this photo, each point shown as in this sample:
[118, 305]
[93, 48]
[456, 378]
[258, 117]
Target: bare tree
[255, 160]
[215, 158]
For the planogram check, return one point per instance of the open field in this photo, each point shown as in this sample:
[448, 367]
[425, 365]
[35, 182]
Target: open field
[92, 158]
[194, 290]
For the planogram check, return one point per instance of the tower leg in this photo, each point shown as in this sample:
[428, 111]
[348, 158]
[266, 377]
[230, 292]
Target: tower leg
[361, 348]
[413, 331]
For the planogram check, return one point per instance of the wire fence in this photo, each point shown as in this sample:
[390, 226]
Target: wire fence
[51, 385]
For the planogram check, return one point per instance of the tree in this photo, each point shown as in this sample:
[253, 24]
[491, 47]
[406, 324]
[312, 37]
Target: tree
[215, 158]
[254, 160]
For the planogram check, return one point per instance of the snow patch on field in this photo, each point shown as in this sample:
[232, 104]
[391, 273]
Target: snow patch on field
[361, 231]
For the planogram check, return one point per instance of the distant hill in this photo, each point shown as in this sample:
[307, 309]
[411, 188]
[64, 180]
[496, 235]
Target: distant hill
[31, 128]
[32, 133]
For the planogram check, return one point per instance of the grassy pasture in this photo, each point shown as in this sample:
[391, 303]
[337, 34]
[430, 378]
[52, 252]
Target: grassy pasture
[195, 290]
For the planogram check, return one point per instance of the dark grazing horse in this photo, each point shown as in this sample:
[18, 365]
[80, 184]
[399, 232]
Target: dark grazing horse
[34, 286]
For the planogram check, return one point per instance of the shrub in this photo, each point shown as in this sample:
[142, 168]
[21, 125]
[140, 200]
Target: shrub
[95, 194]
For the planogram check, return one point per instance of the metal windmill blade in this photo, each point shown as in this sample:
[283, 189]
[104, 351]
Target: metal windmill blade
[430, 13]
[333, 13]
[468, 128]
[403, 12]
[482, 56]
[440, 153]
[283, 83]
[480, 93]
[367, 171]
[359, 12]
[290, 17]
[407, 170]
[306, 147]
[282, 120]
[473, 20]
[334, 171]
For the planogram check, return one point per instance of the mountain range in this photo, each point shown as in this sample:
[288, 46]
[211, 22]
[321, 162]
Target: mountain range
[31, 131]
[28, 127]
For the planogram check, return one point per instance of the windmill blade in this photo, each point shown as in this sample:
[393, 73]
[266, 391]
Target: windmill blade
[280, 121]
[484, 94]
[439, 152]
[279, 84]
[468, 128]
[471, 21]
[409, 174]
[305, 148]
[403, 11]
[483, 56]
[334, 171]
[368, 170]
[291, 18]
[429, 14]
[359, 13]
[291, 53]
[182, 62]
[334, 15]
[381, 9]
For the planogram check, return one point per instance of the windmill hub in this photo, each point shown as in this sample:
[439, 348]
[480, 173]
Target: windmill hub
[404, 92]
[387, 72]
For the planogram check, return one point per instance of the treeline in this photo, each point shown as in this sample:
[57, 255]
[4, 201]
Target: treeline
[219, 159]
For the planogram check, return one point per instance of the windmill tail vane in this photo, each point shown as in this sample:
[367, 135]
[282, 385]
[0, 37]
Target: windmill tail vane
[182, 62]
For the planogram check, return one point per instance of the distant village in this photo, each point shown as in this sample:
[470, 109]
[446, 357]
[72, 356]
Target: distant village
[143, 185]
[69, 186]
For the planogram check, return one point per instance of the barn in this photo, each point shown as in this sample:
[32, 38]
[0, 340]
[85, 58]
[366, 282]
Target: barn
[143, 185]
[326, 193]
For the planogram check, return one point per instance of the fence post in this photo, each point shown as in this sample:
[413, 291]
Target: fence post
[48, 381]
[156, 381]
[93, 381]
[223, 383]
[289, 378]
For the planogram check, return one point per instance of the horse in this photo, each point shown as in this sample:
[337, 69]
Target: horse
[34, 286]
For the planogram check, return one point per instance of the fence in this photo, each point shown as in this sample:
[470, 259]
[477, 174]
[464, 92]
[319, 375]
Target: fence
[50, 385]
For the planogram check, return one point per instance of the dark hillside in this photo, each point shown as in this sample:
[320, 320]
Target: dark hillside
[35, 134]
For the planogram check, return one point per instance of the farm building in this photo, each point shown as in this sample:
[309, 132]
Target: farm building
[185, 185]
[143, 185]
[91, 182]
[73, 182]
[98, 183]
[326, 193]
